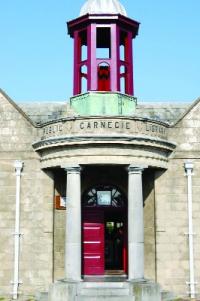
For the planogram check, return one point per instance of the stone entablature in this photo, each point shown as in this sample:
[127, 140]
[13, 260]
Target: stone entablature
[105, 126]
[126, 140]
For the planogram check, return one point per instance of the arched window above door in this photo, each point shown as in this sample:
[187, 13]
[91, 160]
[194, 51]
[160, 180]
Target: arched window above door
[103, 74]
[104, 195]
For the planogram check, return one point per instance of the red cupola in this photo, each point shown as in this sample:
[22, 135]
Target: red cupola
[103, 55]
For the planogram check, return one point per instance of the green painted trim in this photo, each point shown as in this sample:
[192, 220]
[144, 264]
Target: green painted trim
[103, 103]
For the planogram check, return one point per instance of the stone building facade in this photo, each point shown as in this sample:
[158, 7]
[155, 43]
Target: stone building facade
[53, 155]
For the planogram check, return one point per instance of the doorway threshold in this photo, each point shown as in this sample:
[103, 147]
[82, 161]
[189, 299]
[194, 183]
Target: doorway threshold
[115, 273]
[109, 276]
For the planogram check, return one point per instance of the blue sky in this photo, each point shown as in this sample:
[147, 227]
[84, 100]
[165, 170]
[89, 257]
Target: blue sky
[36, 53]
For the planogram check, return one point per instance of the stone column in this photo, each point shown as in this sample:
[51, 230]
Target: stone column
[73, 224]
[135, 223]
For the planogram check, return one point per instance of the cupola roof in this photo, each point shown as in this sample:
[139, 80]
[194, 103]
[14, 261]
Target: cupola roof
[103, 7]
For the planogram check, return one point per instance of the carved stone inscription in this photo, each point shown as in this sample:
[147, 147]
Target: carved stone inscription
[94, 126]
[105, 125]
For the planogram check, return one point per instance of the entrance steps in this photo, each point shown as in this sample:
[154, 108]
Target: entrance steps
[99, 291]
[143, 290]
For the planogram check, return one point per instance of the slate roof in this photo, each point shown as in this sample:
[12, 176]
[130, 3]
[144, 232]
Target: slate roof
[46, 111]
[167, 112]
[41, 112]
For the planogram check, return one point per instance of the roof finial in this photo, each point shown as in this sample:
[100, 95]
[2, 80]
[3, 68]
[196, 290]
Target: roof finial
[103, 7]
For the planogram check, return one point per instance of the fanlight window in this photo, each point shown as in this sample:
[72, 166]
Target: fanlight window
[104, 196]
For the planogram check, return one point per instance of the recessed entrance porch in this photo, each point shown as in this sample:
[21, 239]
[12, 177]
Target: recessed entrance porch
[108, 199]
[104, 208]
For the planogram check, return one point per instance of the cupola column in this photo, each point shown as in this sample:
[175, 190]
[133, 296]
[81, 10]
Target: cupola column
[135, 223]
[114, 61]
[92, 65]
[77, 61]
[73, 224]
[129, 84]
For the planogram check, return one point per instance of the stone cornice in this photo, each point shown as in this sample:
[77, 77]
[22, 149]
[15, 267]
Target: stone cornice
[112, 139]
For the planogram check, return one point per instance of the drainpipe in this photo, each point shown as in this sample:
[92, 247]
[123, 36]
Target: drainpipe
[18, 169]
[189, 169]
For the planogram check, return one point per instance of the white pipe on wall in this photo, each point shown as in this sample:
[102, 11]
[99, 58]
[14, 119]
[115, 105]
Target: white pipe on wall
[18, 169]
[189, 168]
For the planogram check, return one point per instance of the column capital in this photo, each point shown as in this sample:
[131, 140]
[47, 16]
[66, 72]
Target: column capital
[73, 168]
[18, 165]
[188, 165]
[136, 169]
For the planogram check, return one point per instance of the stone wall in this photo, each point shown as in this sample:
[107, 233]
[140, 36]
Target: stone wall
[17, 134]
[149, 224]
[59, 246]
[59, 227]
[171, 226]
[172, 251]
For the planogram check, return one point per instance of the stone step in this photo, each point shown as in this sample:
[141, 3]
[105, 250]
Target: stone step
[109, 284]
[104, 292]
[41, 296]
[104, 289]
[105, 298]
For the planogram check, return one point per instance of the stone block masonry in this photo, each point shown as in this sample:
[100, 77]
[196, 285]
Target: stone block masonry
[17, 134]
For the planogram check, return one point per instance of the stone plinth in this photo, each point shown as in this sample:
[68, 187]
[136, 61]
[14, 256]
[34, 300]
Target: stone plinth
[146, 291]
[63, 291]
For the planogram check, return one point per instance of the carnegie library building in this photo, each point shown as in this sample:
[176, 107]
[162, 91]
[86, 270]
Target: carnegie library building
[100, 194]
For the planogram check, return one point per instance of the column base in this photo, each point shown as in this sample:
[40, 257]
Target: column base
[66, 290]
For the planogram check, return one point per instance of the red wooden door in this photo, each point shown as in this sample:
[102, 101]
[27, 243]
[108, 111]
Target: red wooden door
[93, 243]
[103, 78]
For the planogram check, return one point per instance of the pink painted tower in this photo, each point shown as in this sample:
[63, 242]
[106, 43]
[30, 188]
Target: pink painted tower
[103, 54]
